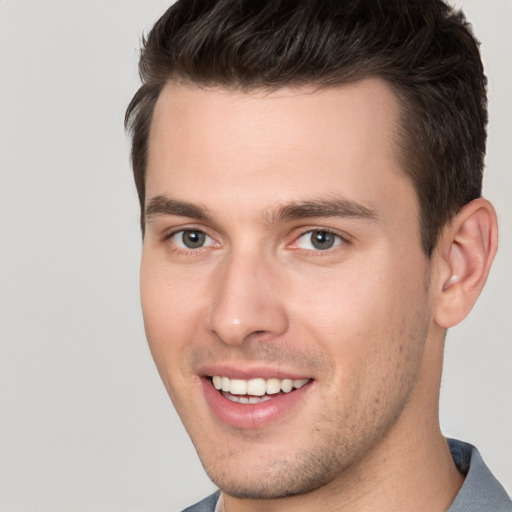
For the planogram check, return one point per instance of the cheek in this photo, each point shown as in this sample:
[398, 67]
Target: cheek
[170, 322]
[169, 294]
[170, 310]
[366, 314]
[374, 334]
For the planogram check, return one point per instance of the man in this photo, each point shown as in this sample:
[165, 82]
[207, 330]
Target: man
[309, 175]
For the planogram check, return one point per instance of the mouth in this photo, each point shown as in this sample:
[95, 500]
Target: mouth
[257, 390]
[256, 402]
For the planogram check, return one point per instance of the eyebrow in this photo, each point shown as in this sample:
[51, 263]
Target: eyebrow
[161, 205]
[339, 207]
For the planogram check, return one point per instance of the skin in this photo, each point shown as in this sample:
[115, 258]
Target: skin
[364, 320]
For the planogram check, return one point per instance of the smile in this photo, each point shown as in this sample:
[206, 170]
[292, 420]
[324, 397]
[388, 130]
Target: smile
[256, 402]
[253, 389]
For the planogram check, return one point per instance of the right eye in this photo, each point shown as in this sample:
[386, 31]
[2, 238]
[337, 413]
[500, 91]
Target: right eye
[191, 239]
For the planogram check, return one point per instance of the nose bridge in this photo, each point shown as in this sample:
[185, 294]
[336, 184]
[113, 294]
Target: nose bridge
[246, 299]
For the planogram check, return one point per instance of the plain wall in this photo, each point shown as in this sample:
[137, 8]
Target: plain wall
[85, 424]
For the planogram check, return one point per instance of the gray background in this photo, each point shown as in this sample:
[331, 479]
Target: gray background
[85, 423]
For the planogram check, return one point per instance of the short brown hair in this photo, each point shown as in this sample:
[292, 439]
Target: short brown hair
[423, 49]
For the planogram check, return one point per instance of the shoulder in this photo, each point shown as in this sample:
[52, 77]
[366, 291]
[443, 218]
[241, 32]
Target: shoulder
[481, 492]
[206, 505]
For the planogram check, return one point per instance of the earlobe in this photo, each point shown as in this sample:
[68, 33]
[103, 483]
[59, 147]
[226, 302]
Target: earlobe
[466, 251]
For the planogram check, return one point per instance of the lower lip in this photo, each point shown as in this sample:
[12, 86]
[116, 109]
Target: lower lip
[251, 416]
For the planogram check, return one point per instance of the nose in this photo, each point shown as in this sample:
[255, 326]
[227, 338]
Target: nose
[246, 300]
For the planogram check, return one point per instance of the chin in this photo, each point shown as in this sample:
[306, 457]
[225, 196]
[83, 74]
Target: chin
[265, 488]
[274, 479]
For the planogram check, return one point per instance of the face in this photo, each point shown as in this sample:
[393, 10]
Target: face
[284, 289]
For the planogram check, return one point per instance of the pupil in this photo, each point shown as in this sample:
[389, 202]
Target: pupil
[322, 240]
[193, 239]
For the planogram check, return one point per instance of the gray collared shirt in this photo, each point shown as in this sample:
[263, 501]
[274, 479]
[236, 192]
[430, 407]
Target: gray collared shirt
[481, 492]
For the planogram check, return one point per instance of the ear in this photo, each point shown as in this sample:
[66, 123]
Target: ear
[465, 252]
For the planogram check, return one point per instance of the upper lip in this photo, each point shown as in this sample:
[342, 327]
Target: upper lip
[246, 372]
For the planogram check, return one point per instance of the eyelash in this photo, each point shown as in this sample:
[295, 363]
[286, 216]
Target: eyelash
[186, 250]
[340, 240]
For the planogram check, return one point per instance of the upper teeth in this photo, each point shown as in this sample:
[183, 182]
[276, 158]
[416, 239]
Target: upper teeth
[256, 387]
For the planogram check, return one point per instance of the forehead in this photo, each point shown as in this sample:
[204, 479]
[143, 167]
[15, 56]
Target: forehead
[284, 114]
[273, 147]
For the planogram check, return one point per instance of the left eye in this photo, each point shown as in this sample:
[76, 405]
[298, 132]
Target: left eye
[318, 240]
[191, 239]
